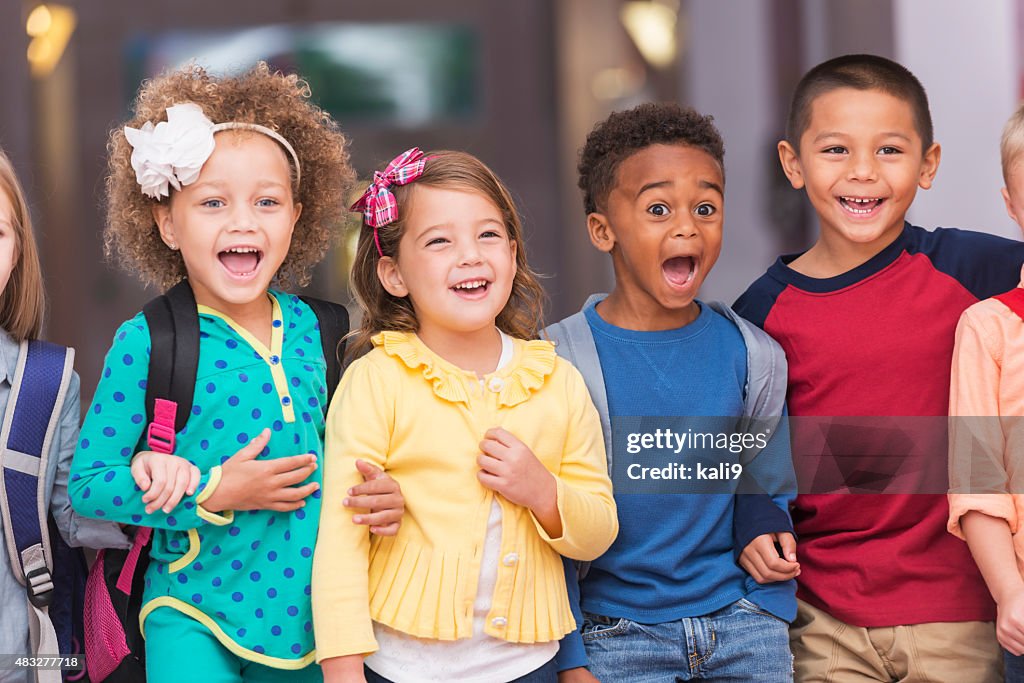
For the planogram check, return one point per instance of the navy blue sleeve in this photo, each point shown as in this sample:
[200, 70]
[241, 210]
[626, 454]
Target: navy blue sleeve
[986, 265]
[756, 303]
[571, 653]
[766, 489]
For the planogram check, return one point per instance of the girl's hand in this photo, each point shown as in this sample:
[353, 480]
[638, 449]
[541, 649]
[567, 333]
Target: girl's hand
[250, 484]
[381, 495]
[509, 467]
[164, 479]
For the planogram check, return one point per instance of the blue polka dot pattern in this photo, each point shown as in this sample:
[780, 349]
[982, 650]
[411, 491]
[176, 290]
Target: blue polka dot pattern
[238, 570]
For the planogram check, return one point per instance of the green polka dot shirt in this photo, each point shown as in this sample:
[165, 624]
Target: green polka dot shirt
[245, 575]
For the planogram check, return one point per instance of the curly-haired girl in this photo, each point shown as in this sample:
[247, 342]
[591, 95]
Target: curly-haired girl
[234, 183]
[496, 439]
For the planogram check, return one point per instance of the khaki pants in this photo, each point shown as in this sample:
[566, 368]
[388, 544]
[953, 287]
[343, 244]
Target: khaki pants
[826, 650]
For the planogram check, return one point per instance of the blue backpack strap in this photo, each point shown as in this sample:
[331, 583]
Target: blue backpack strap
[33, 412]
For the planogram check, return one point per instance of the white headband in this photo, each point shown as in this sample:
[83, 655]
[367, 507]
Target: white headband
[171, 153]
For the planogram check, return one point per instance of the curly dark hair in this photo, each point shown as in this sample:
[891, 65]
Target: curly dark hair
[626, 132]
[272, 99]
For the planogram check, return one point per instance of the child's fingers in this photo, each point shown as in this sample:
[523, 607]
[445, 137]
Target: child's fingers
[382, 518]
[285, 506]
[502, 436]
[386, 501]
[788, 544]
[489, 481]
[295, 476]
[369, 471]
[291, 462]
[170, 483]
[193, 480]
[158, 475]
[751, 568]
[386, 530]
[490, 464]
[376, 487]
[291, 494]
[139, 474]
[252, 449]
[1013, 642]
[774, 568]
[180, 484]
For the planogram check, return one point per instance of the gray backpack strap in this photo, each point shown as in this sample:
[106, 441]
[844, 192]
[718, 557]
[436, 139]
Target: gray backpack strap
[575, 342]
[764, 392]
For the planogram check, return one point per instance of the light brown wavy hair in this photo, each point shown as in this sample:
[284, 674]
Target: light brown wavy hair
[521, 317]
[22, 302]
[272, 99]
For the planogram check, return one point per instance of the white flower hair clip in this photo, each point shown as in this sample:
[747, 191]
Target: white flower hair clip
[172, 152]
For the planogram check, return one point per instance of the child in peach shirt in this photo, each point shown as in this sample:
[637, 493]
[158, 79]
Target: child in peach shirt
[986, 501]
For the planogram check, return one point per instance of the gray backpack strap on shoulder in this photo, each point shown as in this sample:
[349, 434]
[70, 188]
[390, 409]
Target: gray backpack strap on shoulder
[575, 342]
[764, 392]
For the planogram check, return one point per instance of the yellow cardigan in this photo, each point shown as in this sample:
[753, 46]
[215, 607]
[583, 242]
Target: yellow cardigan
[421, 418]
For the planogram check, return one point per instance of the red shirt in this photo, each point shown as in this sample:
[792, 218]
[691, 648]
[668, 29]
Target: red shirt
[878, 341]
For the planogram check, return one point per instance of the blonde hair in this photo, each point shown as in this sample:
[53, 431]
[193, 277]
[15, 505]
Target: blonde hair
[1011, 145]
[523, 313]
[22, 302]
[261, 96]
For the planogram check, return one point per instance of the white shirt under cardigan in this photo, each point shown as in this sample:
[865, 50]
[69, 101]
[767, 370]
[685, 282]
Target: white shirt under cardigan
[481, 659]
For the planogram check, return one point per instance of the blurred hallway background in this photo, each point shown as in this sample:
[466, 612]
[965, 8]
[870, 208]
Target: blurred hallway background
[517, 83]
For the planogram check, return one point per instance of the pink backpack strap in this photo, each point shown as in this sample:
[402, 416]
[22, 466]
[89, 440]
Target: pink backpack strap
[161, 430]
[161, 439]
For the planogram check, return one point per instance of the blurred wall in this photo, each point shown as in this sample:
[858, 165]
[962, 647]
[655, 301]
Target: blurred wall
[967, 61]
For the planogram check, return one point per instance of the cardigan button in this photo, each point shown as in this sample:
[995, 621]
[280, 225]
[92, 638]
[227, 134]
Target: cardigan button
[510, 559]
[496, 384]
[499, 622]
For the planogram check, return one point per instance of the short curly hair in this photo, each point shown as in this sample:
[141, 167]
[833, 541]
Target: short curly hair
[626, 132]
[272, 99]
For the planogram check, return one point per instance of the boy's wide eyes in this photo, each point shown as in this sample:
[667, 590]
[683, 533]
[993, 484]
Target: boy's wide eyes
[705, 210]
[658, 210]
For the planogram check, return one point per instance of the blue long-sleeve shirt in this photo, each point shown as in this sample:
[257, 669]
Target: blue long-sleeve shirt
[675, 556]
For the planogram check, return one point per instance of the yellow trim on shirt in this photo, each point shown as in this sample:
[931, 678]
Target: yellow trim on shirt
[274, 352]
[217, 519]
[193, 553]
[218, 632]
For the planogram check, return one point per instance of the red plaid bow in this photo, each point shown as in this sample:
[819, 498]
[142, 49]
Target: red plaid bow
[378, 205]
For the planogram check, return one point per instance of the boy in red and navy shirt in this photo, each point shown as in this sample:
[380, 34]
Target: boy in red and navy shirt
[867, 318]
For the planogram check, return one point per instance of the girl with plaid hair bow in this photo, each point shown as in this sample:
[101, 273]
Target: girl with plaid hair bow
[234, 184]
[494, 438]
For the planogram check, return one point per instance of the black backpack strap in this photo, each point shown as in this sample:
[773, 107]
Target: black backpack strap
[174, 351]
[333, 320]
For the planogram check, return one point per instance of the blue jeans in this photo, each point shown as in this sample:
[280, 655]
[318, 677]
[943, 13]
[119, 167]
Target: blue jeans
[740, 642]
[548, 673]
[1014, 667]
